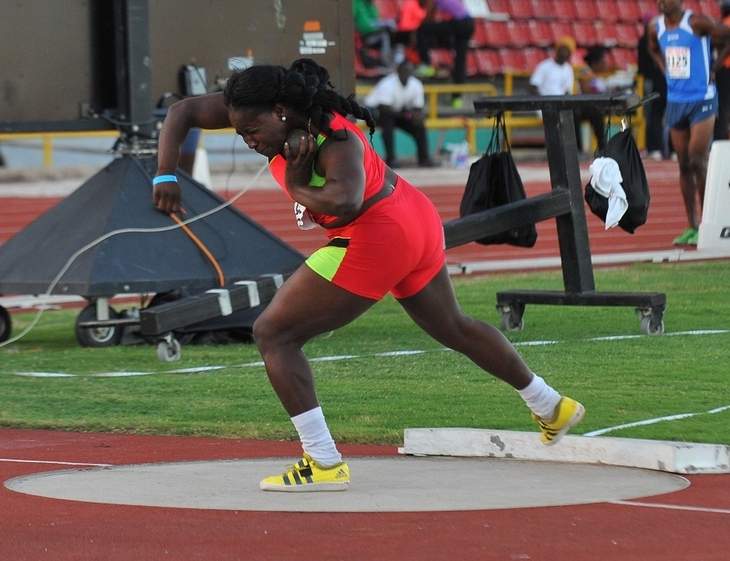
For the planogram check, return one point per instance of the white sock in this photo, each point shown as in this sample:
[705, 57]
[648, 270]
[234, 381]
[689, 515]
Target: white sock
[540, 397]
[316, 438]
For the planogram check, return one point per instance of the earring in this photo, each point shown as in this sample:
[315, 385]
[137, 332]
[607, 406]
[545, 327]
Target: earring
[283, 117]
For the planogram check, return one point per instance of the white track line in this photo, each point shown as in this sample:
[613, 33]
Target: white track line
[13, 460]
[656, 420]
[672, 507]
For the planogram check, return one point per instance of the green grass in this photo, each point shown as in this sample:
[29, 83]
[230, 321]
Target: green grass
[373, 398]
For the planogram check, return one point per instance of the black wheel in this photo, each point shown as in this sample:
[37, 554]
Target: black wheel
[97, 336]
[169, 350]
[511, 319]
[652, 322]
[6, 325]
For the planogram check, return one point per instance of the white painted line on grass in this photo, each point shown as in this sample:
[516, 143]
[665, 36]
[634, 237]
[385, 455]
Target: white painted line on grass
[673, 507]
[656, 420]
[334, 358]
[13, 460]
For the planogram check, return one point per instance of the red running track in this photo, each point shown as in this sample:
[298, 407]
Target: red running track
[35, 528]
[273, 211]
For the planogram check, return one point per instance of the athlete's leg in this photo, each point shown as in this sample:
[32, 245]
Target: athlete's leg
[437, 312]
[307, 305]
[700, 139]
[680, 141]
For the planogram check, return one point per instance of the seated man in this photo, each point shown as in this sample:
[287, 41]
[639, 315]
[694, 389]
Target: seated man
[398, 102]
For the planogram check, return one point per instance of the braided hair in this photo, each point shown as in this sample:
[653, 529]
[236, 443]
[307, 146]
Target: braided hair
[304, 86]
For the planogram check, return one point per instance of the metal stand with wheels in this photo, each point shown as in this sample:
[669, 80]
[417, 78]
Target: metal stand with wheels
[565, 204]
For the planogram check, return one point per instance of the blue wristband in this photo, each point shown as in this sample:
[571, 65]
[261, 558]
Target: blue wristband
[164, 179]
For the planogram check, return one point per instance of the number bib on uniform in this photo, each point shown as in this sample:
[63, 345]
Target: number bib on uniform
[678, 62]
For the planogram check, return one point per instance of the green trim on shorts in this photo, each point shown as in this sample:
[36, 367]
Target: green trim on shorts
[326, 261]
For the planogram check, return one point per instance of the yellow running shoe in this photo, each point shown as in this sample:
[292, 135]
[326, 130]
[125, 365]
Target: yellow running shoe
[568, 414]
[306, 476]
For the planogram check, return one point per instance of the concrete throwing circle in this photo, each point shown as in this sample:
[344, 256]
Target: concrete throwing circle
[392, 484]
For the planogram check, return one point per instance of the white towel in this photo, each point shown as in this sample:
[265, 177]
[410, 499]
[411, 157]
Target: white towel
[606, 180]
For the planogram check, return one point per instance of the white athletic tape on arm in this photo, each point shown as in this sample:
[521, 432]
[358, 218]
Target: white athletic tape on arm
[224, 300]
[277, 278]
[253, 292]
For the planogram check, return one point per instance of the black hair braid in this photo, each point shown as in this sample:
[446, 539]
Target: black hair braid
[305, 86]
[319, 97]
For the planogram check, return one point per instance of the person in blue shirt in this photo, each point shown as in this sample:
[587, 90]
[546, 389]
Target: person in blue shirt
[680, 42]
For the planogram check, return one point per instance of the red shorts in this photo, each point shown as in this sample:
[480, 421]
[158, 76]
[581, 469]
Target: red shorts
[397, 246]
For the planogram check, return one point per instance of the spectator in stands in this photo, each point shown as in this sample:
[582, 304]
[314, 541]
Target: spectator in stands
[591, 79]
[398, 102]
[654, 82]
[374, 33]
[679, 41]
[447, 24]
[554, 75]
[722, 79]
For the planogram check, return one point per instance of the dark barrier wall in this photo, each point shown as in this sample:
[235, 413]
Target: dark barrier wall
[59, 58]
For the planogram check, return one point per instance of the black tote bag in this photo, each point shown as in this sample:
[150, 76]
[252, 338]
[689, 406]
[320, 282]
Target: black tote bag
[494, 181]
[622, 148]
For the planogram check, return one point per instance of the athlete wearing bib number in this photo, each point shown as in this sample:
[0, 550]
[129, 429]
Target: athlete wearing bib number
[681, 43]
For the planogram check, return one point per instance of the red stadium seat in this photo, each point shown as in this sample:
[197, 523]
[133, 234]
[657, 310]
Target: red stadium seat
[711, 8]
[647, 7]
[520, 9]
[498, 6]
[586, 9]
[513, 60]
[519, 33]
[626, 35]
[561, 29]
[606, 34]
[585, 33]
[629, 10]
[693, 5]
[488, 62]
[497, 33]
[543, 9]
[472, 67]
[533, 57]
[607, 11]
[540, 33]
[564, 10]
[479, 38]
[442, 58]
[622, 58]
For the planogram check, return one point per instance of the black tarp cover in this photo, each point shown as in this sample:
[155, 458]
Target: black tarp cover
[117, 197]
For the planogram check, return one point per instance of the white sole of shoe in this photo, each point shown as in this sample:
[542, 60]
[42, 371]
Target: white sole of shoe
[311, 488]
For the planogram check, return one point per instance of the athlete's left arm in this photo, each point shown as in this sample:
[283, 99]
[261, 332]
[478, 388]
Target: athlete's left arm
[341, 163]
[705, 25]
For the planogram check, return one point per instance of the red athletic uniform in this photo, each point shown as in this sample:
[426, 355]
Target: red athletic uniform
[396, 245]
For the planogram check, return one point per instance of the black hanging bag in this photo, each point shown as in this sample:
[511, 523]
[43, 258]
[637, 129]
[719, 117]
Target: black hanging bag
[622, 148]
[494, 181]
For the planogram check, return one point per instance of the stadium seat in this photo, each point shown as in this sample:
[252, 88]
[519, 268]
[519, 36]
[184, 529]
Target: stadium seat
[585, 33]
[622, 58]
[629, 10]
[480, 37]
[520, 9]
[497, 33]
[626, 35]
[561, 29]
[533, 57]
[498, 6]
[543, 9]
[608, 11]
[693, 5]
[564, 10]
[586, 10]
[606, 34]
[472, 67]
[488, 62]
[442, 58]
[519, 33]
[540, 33]
[711, 8]
[513, 60]
[647, 6]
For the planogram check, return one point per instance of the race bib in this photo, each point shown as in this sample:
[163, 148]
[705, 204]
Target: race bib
[678, 62]
[303, 217]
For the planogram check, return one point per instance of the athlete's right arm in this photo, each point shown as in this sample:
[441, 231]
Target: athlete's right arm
[206, 112]
[653, 46]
